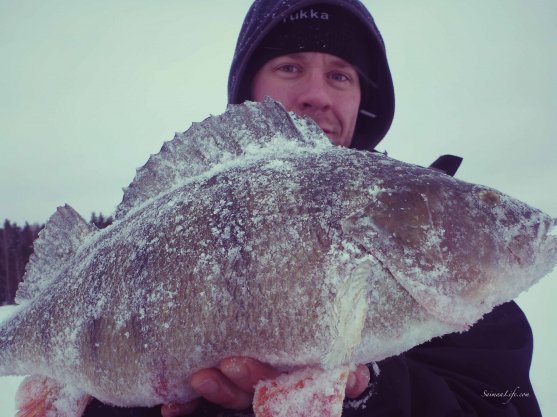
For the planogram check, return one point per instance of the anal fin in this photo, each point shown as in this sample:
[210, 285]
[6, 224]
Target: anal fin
[40, 396]
[308, 392]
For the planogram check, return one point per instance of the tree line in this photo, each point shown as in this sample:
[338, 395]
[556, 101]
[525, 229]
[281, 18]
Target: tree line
[16, 246]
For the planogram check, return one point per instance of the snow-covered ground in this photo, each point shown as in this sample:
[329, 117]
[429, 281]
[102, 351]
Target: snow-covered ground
[537, 303]
[8, 384]
[8, 388]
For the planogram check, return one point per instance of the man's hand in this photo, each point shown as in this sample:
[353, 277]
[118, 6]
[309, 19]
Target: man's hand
[231, 384]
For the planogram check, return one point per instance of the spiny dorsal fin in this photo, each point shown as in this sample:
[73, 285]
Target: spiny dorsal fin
[57, 243]
[215, 140]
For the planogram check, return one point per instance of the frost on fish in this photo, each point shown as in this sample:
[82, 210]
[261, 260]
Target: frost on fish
[308, 392]
[251, 234]
[249, 131]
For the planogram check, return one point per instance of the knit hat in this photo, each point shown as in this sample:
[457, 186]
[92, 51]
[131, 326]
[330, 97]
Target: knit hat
[317, 28]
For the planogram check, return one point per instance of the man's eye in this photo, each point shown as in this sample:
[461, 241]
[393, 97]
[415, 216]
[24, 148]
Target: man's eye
[288, 68]
[339, 76]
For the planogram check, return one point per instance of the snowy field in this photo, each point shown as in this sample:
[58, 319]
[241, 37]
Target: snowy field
[8, 384]
[8, 388]
[537, 304]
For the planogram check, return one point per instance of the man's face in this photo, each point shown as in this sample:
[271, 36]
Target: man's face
[315, 84]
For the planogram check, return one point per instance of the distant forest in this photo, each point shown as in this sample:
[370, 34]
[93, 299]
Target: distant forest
[16, 246]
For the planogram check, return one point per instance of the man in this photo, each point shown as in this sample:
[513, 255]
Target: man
[327, 60]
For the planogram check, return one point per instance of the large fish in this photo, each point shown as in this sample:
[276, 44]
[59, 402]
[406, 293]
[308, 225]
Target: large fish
[251, 234]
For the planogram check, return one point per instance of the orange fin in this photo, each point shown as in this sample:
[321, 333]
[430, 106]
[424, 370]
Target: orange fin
[40, 396]
[309, 392]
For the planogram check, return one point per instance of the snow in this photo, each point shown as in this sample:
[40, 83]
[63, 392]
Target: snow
[8, 384]
[8, 389]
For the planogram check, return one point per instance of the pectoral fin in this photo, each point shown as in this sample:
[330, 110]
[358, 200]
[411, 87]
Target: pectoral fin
[40, 396]
[308, 392]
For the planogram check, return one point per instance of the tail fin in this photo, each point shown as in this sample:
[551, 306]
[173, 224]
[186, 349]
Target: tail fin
[56, 246]
[64, 232]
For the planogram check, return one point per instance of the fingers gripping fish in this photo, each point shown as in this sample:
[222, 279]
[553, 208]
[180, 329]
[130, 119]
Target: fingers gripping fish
[252, 235]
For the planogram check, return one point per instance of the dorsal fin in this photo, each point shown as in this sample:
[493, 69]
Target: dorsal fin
[57, 243]
[215, 140]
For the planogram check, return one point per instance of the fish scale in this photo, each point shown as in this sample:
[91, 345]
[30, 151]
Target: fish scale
[251, 234]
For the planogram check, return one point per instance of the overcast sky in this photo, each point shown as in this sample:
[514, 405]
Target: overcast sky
[88, 90]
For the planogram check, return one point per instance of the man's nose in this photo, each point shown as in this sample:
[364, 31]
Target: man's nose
[314, 94]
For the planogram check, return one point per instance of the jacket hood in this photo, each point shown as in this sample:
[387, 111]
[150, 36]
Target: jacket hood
[378, 105]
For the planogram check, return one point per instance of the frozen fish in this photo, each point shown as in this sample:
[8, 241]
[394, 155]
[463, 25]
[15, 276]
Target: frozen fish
[252, 234]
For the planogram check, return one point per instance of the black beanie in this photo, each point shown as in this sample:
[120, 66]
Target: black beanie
[316, 28]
